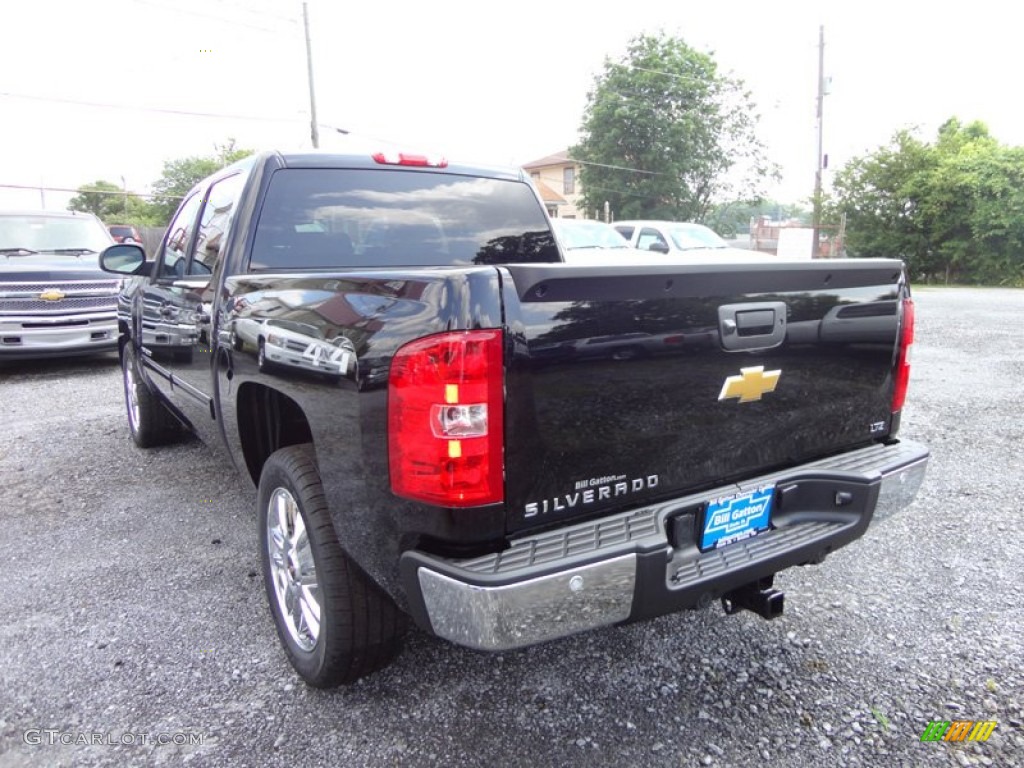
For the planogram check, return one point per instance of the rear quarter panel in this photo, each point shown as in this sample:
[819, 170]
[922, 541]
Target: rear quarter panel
[373, 314]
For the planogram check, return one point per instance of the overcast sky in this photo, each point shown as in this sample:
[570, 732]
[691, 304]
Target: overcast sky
[501, 83]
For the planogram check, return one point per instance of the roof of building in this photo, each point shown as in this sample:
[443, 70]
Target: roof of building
[547, 194]
[559, 158]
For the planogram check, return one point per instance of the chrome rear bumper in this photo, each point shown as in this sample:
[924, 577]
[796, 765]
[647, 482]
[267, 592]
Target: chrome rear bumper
[643, 563]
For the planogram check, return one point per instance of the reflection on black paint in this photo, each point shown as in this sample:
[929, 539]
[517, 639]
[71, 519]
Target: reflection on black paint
[631, 387]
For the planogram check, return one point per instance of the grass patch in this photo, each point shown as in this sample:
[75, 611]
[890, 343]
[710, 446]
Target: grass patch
[881, 718]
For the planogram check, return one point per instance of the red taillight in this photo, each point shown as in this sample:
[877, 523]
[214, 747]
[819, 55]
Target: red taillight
[445, 419]
[902, 372]
[404, 158]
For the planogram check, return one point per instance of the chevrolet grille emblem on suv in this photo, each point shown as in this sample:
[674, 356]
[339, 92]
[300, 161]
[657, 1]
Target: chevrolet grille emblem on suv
[52, 295]
[750, 384]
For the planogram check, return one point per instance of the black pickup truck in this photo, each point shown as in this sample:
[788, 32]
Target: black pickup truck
[446, 422]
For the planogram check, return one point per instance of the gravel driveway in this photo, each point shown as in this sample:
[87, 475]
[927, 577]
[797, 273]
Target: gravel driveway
[133, 613]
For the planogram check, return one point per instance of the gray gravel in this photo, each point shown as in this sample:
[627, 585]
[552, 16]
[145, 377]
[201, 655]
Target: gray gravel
[131, 608]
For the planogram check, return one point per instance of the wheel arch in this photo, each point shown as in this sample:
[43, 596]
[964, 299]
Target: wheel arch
[268, 420]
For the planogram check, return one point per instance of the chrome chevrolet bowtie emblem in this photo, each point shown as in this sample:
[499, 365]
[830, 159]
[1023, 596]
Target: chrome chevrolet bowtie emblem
[750, 384]
[51, 295]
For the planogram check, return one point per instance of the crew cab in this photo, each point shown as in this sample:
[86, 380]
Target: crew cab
[54, 300]
[433, 441]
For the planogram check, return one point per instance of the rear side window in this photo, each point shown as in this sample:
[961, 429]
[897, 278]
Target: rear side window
[324, 218]
[649, 237]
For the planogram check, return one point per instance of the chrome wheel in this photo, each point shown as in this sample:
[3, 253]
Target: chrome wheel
[131, 393]
[292, 569]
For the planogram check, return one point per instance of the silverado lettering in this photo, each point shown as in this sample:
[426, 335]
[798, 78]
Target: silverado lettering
[591, 495]
[393, 350]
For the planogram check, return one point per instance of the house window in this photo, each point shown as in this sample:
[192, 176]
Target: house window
[569, 181]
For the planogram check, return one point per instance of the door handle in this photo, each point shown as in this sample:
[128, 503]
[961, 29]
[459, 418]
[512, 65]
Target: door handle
[753, 325]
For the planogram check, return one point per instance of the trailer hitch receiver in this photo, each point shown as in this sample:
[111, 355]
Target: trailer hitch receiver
[758, 597]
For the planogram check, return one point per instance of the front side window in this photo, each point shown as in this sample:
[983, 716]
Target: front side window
[179, 235]
[214, 223]
[333, 218]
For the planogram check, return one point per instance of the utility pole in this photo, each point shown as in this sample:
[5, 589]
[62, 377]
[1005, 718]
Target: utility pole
[817, 176]
[314, 132]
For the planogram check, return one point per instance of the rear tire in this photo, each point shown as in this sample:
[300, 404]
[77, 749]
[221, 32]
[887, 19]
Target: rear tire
[335, 623]
[149, 421]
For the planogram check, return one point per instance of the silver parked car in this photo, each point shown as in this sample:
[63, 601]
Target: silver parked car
[54, 299]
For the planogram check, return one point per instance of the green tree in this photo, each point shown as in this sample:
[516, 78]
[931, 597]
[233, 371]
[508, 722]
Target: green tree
[664, 134]
[881, 196]
[180, 175]
[107, 200]
[997, 217]
[953, 210]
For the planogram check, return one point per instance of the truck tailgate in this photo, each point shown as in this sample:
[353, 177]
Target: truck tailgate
[628, 384]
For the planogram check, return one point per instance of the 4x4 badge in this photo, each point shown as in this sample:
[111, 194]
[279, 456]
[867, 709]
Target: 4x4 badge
[750, 384]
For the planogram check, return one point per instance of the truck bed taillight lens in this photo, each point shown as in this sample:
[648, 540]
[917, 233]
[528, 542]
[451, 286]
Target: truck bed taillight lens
[902, 372]
[445, 419]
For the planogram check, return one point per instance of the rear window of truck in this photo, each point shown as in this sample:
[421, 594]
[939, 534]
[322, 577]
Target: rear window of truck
[325, 218]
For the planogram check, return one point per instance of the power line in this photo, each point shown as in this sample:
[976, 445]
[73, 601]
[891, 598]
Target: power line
[243, 8]
[690, 78]
[81, 190]
[620, 191]
[231, 22]
[619, 167]
[160, 110]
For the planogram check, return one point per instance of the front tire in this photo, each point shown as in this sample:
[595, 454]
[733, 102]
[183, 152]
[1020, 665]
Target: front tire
[335, 624]
[149, 421]
[261, 356]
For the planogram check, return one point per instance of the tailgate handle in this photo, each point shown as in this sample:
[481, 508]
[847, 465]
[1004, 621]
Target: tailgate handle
[752, 325]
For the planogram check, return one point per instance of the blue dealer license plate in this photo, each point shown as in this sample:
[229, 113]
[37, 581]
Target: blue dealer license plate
[734, 518]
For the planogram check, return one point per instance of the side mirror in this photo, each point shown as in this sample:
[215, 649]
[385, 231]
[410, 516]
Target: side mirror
[658, 246]
[124, 259]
